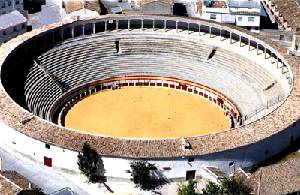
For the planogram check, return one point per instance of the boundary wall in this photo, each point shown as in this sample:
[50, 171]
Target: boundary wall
[174, 169]
[63, 104]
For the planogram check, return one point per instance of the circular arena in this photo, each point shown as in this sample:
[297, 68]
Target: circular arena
[183, 93]
[143, 116]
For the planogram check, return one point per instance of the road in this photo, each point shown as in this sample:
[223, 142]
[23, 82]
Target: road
[46, 178]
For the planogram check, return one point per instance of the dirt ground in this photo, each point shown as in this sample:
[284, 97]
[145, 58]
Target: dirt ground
[146, 112]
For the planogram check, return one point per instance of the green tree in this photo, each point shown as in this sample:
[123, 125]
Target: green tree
[235, 186]
[87, 160]
[188, 189]
[144, 175]
[212, 189]
[229, 186]
[34, 191]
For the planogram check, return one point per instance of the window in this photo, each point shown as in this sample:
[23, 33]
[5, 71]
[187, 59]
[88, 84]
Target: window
[9, 3]
[17, 2]
[213, 16]
[267, 152]
[47, 146]
[190, 175]
[240, 18]
[15, 29]
[250, 19]
[167, 168]
[47, 161]
[3, 33]
[3, 5]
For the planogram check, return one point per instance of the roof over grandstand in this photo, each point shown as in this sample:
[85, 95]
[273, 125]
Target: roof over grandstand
[289, 10]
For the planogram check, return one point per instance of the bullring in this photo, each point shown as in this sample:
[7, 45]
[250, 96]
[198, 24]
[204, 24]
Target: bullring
[274, 119]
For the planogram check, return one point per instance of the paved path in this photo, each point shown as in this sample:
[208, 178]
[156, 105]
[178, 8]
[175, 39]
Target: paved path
[51, 180]
[46, 178]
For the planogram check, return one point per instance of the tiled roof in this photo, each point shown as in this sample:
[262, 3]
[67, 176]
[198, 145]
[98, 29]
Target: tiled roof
[289, 10]
[7, 186]
[280, 178]
[18, 179]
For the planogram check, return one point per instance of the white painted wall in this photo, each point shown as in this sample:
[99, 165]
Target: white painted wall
[227, 15]
[116, 167]
[245, 20]
[9, 33]
[36, 149]
[227, 18]
[207, 16]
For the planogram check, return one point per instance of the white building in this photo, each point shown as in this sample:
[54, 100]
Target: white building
[244, 13]
[12, 22]
[7, 6]
[11, 25]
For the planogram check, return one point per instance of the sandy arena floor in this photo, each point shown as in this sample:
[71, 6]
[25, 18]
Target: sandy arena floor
[146, 112]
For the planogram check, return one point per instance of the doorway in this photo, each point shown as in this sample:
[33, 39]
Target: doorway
[190, 175]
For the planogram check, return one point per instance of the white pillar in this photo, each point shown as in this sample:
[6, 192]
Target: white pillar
[199, 29]
[142, 21]
[72, 31]
[265, 51]
[249, 44]
[153, 24]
